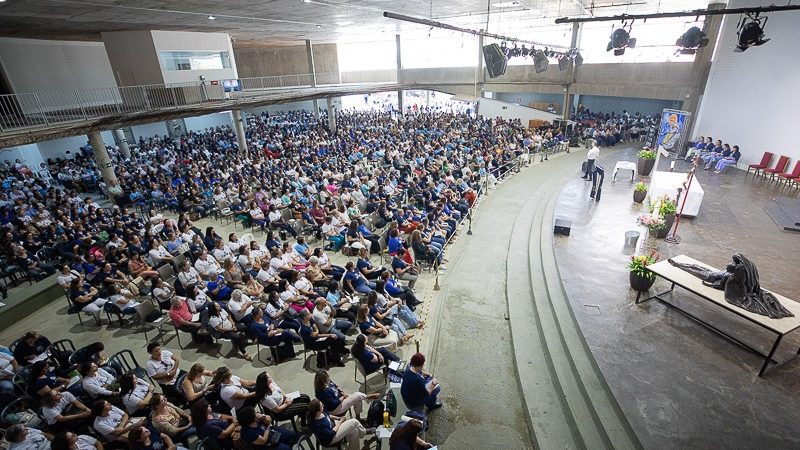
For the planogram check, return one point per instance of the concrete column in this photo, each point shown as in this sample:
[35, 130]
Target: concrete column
[238, 123]
[481, 71]
[573, 71]
[702, 63]
[331, 115]
[102, 159]
[566, 105]
[312, 70]
[119, 137]
[399, 73]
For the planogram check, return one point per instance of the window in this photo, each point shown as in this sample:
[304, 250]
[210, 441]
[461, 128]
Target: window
[194, 60]
[655, 41]
[441, 50]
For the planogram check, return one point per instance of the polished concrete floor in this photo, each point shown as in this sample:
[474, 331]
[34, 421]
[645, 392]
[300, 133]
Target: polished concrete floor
[681, 385]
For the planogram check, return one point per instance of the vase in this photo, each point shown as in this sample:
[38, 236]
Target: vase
[669, 219]
[641, 284]
[644, 166]
[639, 196]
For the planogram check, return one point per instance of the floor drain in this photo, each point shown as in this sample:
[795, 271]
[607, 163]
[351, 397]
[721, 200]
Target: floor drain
[592, 309]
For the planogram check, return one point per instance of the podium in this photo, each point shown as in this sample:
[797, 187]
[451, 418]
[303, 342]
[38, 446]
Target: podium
[668, 183]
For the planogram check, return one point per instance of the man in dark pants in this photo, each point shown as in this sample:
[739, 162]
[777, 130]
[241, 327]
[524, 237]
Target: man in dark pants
[594, 152]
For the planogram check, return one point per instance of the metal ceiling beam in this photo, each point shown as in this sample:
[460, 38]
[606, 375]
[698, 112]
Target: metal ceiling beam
[694, 13]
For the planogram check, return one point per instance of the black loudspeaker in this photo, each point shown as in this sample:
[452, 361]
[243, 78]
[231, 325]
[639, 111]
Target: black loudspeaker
[495, 60]
[562, 227]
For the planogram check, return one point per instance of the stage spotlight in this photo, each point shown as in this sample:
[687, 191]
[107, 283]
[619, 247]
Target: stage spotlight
[620, 40]
[514, 52]
[751, 32]
[540, 62]
[563, 62]
[524, 51]
[578, 60]
[691, 40]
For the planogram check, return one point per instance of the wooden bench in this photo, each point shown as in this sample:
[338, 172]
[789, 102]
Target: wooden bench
[678, 277]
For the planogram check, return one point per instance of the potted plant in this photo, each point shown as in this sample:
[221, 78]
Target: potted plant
[667, 209]
[639, 192]
[647, 159]
[653, 224]
[641, 278]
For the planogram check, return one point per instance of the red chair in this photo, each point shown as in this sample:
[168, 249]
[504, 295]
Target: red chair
[765, 160]
[793, 175]
[783, 161]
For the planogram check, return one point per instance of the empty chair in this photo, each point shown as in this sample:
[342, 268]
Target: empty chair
[793, 175]
[783, 161]
[765, 160]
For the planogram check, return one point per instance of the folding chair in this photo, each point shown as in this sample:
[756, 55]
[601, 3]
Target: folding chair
[127, 361]
[142, 318]
[359, 369]
[167, 273]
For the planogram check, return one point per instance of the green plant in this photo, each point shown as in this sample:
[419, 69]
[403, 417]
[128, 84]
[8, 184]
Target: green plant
[647, 154]
[666, 206]
[639, 263]
[640, 187]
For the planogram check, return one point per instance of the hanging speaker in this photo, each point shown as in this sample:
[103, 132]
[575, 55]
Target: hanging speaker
[495, 60]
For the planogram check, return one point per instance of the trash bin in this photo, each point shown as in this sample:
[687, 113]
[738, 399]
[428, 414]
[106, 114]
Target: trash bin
[631, 237]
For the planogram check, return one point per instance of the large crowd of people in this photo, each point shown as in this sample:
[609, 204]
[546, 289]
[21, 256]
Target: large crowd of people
[378, 185]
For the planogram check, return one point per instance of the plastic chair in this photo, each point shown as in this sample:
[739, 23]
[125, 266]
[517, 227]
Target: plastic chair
[359, 369]
[128, 362]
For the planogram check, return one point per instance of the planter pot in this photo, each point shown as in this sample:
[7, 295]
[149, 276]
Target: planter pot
[645, 166]
[641, 284]
[670, 220]
[639, 196]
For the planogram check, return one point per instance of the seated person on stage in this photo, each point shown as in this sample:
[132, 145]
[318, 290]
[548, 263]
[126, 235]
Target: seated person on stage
[419, 388]
[729, 160]
[695, 147]
[712, 158]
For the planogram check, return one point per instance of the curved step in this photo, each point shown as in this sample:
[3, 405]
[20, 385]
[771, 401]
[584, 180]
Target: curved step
[568, 402]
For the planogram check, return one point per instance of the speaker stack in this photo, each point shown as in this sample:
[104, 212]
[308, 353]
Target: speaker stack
[495, 60]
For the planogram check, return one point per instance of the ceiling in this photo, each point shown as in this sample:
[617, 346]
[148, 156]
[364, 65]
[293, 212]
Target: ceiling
[276, 22]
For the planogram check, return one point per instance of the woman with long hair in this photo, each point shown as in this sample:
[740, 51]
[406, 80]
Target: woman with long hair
[168, 418]
[194, 383]
[135, 394]
[371, 358]
[277, 403]
[211, 425]
[335, 400]
[330, 429]
[218, 319]
[378, 335]
[407, 437]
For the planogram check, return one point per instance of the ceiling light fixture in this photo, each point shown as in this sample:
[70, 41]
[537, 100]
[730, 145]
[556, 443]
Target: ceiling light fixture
[691, 40]
[751, 32]
[210, 17]
[540, 62]
[620, 40]
[319, 26]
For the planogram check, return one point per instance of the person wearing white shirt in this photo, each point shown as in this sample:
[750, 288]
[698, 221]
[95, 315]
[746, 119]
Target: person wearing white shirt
[97, 382]
[272, 398]
[234, 390]
[135, 393]
[240, 306]
[591, 156]
[162, 366]
[233, 243]
[72, 441]
[8, 367]
[54, 406]
[219, 320]
[112, 423]
[266, 274]
[21, 437]
[159, 254]
[207, 264]
[188, 276]
[222, 252]
[66, 276]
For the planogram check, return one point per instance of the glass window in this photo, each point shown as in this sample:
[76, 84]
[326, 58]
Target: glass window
[194, 60]
[655, 41]
[443, 49]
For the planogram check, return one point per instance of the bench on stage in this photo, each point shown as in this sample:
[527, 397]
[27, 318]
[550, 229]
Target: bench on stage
[678, 277]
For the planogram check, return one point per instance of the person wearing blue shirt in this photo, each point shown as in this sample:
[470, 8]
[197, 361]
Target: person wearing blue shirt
[258, 431]
[355, 282]
[403, 270]
[712, 158]
[330, 429]
[366, 268]
[262, 329]
[419, 388]
[395, 242]
[729, 160]
[334, 400]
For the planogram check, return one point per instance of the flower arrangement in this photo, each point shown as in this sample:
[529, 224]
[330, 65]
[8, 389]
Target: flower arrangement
[647, 154]
[639, 263]
[666, 206]
[652, 223]
[640, 187]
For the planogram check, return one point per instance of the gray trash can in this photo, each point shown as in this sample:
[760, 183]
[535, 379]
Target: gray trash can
[631, 237]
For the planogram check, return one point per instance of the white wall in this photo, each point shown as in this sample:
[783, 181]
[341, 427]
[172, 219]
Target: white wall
[495, 108]
[29, 154]
[37, 65]
[183, 40]
[58, 148]
[149, 130]
[133, 57]
[751, 97]
[208, 121]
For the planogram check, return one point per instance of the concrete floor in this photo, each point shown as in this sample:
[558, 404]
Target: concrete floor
[680, 385]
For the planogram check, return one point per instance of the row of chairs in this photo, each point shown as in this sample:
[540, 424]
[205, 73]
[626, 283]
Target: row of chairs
[790, 178]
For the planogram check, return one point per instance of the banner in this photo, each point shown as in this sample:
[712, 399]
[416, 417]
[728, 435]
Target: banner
[672, 130]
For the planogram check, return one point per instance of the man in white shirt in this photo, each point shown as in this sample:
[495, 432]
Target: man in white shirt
[98, 382]
[323, 317]
[591, 156]
[206, 264]
[111, 422]
[20, 437]
[163, 367]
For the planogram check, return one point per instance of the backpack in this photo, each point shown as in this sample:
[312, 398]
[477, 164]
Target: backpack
[375, 414]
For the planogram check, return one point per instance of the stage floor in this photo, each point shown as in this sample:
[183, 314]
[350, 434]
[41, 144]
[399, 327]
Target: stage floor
[680, 385]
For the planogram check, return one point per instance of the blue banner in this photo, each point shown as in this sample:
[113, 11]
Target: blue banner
[671, 132]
